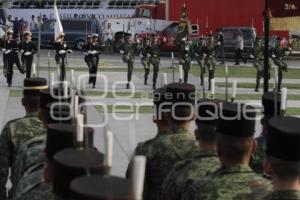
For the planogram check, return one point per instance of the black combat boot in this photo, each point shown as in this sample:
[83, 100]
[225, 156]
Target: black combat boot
[127, 86]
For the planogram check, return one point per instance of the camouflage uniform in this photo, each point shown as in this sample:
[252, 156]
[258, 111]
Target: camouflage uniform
[259, 155]
[210, 61]
[145, 59]
[284, 195]
[185, 58]
[31, 153]
[162, 152]
[186, 172]
[14, 134]
[155, 60]
[237, 182]
[278, 61]
[257, 53]
[199, 54]
[33, 187]
[129, 57]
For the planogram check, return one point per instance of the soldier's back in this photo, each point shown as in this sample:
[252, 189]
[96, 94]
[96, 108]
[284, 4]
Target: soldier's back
[184, 173]
[283, 195]
[230, 183]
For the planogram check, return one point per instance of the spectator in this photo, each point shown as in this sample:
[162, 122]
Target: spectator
[108, 38]
[239, 46]
[9, 26]
[16, 27]
[45, 18]
[21, 25]
[33, 23]
[220, 47]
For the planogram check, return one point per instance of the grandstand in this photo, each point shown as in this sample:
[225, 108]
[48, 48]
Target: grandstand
[75, 4]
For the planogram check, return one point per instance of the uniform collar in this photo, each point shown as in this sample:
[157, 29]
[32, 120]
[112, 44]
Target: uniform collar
[286, 195]
[232, 169]
[207, 153]
[179, 130]
[29, 114]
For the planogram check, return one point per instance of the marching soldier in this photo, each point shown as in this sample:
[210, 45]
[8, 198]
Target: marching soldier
[200, 55]
[185, 59]
[145, 58]
[28, 48]
[235, 145]
[210, 60]
[206, 162]
[257, 56]
[277, 56]
[62, 48]
[18, 131]
[128, 55]
[91, 50]
[283, 163]
[155, 59]
[9, 49]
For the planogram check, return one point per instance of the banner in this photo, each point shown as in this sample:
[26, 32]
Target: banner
[58, 29]
[184, 29]
[285, 15]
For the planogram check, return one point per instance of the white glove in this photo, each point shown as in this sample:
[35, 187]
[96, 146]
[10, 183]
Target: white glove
[186, 55]
[22, 51]
[273, 56]
[122, 52]
[187, 48]
[8, 51]
[251, 56]
[85, 53]
[219, 43]
[196, 54]
[204, 55]
[94, 52]
[141, 55]
[3, 49]
[70, 51]
[210, 56]
[62, 52]
[27, 53]
[148, 55]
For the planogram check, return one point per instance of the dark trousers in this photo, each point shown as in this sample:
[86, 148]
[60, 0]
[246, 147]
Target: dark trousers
[220, 53]
[146, 65]
[202, 71]
[238, 56]
[27, 64]
[92, 63]
[129, 70]
[8, 61]
[61, 62]
[186, 70]
[18, 62]
[279, 79]
[155, 72]
[211, 75]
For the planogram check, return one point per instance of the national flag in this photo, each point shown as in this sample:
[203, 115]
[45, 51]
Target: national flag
[185, 27]
[58, 29]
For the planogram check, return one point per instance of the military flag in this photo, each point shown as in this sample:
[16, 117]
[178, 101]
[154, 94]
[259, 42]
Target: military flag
[185, 27]
[58, 29]
[285, 15]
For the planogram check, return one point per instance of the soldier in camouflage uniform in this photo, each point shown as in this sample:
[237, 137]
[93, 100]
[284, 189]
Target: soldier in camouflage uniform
[283, 158]
[128, 55]
[186, 172]
[18, 131]
[235, 180]
[185, 59]
[145, 58]
[199, 52]
[174, 142]
[210, 60]
[257, 54]
[155, 59]
[277, 56]
[268, 103]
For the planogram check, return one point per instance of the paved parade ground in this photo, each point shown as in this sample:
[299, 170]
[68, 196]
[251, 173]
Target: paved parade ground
[139, 127]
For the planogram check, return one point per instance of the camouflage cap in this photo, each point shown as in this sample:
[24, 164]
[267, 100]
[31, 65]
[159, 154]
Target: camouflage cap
[268, 102]
[33, 86]
[236, 119]
[100, 188]
[283, 139]
[72, 163]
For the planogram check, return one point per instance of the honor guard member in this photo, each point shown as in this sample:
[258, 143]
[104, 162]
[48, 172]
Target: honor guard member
[268, 103]
[100, 188]
[18, 131]
[207, 161]
[91, 50]
[155, 58]
[128, 55]
[145, 58]
[28, 48]
[185, 50]
[283, 157]
[174, 141]
[235, 145]
[210, 60]
[62, 48]
[277, 56]
[9, 49]
[257, 54]
[199, 52]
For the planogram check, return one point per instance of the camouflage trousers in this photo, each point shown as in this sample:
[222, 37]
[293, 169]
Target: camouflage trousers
[146, 63]
[282, 66]
[186, 65]
[155, 63]
[202, 70]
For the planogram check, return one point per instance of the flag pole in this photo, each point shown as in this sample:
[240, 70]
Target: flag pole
[266, 48]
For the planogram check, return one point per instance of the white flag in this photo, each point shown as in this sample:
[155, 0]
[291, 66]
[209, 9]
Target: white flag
[58, 29]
